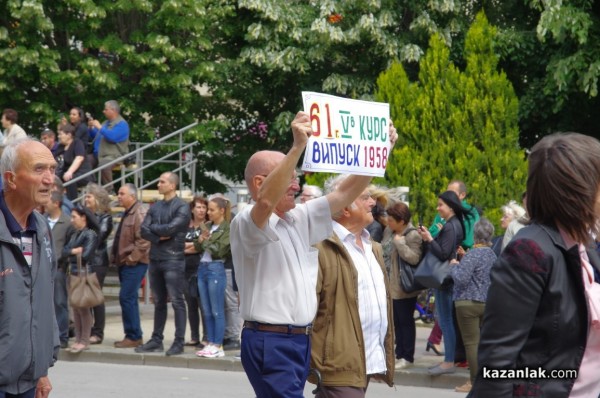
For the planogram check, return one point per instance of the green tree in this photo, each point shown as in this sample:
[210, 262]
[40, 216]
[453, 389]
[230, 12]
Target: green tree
[455, 124]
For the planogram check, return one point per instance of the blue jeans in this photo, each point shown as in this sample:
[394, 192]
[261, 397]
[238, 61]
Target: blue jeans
[61, 304]
[26, 394]
[130, 278]
[212, 282]
[166, 280]
[444, 306]
[276, 364]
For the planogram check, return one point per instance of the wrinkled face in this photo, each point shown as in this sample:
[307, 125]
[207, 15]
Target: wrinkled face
[215, 213]
[361, 209]
[34, 175]
[199, 211]
[74, 116]
[77, 221]
[505, 220]
[125, 198]
[444, 210]
[288, 200]
[165, 185]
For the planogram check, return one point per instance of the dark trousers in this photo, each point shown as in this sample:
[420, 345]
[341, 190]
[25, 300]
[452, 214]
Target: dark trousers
[99, 311]
[166, 280]
[276, 364]
[26, 394]
[405, 329]
[130, 278]
[61, 304]
[193, 309]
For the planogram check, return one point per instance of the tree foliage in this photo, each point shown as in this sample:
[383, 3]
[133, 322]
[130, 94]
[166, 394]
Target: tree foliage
[455, 124]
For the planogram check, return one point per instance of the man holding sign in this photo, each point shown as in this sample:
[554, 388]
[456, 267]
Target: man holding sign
[276, 265]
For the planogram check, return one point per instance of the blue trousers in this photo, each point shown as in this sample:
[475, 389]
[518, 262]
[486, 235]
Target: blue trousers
[277, 364]
[26, 394]
[130, 278]
[212, 282]
[444, 306]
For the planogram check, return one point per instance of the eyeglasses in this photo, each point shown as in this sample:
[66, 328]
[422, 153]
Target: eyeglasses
[294, 179]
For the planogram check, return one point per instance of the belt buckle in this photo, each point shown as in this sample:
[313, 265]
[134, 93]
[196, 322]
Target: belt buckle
[308, 330]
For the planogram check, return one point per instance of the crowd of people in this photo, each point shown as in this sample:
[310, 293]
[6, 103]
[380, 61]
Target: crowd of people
[319, 281]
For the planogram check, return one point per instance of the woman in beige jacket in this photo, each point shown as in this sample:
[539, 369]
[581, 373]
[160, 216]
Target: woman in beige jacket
[402, 242]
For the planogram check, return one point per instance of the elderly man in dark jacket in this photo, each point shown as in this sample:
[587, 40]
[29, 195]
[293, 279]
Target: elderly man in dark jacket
[28, 330]
[165, 227]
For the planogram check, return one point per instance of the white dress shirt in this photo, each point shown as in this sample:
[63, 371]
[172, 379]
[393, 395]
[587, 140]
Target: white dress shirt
[276, 267]
[372, 304]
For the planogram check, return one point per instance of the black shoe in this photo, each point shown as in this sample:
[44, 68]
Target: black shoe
[64, 344]
[150, 346]
[176, 349]
[231, 345]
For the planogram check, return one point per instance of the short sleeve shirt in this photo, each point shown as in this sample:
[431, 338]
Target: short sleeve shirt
[276, 267]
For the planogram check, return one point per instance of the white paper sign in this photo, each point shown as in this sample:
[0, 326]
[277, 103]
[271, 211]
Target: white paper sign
[350, 136]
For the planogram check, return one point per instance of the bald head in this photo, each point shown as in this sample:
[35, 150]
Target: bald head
[261, 163]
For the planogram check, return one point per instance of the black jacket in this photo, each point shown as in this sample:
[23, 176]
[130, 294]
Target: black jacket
[446, 242]
[535, 315]
[105, 222]
[88, 240]
[167, 219]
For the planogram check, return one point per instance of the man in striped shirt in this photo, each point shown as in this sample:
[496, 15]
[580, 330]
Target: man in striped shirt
[355, 309]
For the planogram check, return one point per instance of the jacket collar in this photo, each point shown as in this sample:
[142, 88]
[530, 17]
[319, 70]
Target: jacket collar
[558, 241]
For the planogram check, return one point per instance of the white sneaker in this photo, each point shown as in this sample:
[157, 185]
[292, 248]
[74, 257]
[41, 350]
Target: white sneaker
[402, 364]
[203, 350]
[213, 352]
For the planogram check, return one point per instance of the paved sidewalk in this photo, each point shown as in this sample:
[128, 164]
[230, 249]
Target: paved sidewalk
[107, 353]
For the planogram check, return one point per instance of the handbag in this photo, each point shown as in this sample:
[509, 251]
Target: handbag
[84, 288]
[407, 277]
[433, 272]
[407, 273]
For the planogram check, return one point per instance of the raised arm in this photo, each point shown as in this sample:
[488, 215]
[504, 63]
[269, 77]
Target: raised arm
[354, 185]
[277, 183]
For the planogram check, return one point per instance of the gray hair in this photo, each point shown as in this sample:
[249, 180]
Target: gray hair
[10, 157]
[313, 190]
[514, 209]
[331, 184]
[131, 188]
[483, 231]
[112, 104]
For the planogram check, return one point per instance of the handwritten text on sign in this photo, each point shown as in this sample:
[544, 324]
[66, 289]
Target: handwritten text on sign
[349, 136]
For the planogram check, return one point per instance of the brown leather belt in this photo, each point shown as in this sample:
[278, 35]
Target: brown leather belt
[286, 329]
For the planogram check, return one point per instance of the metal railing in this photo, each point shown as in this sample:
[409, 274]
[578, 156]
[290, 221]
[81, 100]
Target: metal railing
[142, 164]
